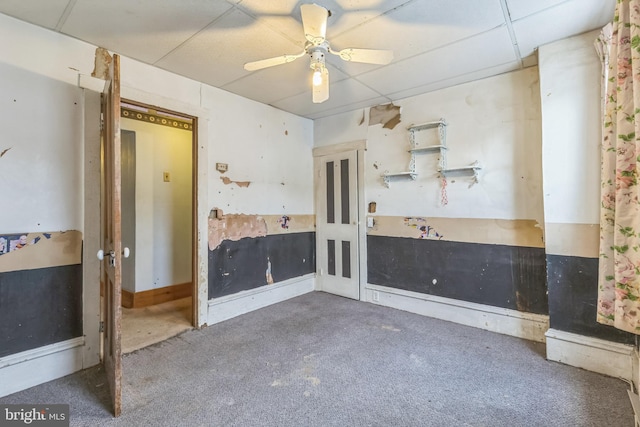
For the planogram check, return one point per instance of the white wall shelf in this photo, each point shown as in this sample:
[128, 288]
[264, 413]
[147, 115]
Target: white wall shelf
[440, 147]
[388, 177]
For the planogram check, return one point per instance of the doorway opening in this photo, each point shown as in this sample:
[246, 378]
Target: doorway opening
[158, 223]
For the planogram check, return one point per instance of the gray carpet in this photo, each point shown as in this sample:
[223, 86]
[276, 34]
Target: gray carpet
[322, 360]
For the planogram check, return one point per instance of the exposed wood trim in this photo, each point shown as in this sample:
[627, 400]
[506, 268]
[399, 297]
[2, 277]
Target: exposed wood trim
[156, 296]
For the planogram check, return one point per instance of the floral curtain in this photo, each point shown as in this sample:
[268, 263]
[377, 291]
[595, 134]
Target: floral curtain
[619, 267]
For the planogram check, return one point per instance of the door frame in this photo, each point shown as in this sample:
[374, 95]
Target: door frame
[360, 147]
[200, 173]
[91, 239]
[195, 223]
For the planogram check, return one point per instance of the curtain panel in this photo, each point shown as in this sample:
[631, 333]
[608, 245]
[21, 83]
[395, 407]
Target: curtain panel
[619, 262]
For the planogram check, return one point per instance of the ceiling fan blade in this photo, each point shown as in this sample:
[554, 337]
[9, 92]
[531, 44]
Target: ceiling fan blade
[368, 56]
[314, 21]
[321, 91]
[270, 62]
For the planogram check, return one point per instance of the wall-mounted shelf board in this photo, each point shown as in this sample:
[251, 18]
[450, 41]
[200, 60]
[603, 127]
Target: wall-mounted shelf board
[429, 148]
[472, 169]
[388, 177]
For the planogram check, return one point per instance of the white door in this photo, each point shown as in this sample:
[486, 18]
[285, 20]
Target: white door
[337, 224]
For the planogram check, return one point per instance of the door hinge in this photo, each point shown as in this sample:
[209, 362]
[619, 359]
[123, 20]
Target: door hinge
[101, 327]
[101, 122]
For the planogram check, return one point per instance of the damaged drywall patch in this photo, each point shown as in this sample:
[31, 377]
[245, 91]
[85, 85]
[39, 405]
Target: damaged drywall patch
[388, 115]
[102, 63]
[228, 181]
[234, 227]
[426, 231]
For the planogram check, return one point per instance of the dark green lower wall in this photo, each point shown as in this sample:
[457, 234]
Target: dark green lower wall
[498, 275]
[573, 295]
[39, 307]
[242, 265]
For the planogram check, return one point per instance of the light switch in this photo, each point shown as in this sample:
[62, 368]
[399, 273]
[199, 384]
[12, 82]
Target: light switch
[166, 176]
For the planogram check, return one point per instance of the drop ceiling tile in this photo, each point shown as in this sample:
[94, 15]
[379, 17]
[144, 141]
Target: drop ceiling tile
[217, 54]
[476, 53]
[45, 13]
[350, 107]
[144, 29]
[554, 23]
[345, 14]
[520, 8]
[342, 93]
[276, 83]
[421, 26]
[457, 80]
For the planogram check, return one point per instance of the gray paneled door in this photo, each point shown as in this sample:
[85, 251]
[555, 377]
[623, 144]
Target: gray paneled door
[337, 224]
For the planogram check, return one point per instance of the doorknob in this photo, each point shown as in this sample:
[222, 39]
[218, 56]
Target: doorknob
[126, 252]
[111, 254]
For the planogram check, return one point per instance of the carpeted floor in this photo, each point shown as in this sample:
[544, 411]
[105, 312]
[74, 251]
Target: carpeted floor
[322, 360]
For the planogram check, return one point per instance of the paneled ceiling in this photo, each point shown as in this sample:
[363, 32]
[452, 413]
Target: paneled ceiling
[436, 43]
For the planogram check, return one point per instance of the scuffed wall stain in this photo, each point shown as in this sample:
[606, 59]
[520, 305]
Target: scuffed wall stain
[228, 181]
[102, 63]
[388, 115]
[30, 251]
[3, 152]
[235, 227]
[425, 231]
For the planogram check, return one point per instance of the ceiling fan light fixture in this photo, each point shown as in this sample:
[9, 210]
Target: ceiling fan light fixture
[317, 76]
[314, 23]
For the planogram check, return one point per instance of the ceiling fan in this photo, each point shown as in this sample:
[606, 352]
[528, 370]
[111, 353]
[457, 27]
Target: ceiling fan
[314, 22]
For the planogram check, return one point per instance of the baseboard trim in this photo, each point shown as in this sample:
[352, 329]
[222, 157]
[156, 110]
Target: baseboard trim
[227, 307]
[156, 296]
[528, 326]
[32, 367]
[593, 354]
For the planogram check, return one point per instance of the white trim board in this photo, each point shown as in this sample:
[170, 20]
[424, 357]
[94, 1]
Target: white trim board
[495, 319]
[227, 307]
[593, 354]
[32, 367]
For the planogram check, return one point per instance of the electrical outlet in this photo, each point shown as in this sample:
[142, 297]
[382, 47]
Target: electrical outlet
[376, 296]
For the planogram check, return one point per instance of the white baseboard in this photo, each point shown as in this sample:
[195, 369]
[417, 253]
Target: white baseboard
[227, 307]
[593, 354]
[32, 367]
[495, 319]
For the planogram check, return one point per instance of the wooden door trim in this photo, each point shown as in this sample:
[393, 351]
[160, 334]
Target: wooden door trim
[199, 170]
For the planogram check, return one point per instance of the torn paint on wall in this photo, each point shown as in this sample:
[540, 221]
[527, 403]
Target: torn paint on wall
[268, 272]
[516, 232]
[293, 223]
[284, 222]
[235, 227]
[102, 63]
[228, 181]
[388, 115]
[30, 251]
[424, 229]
